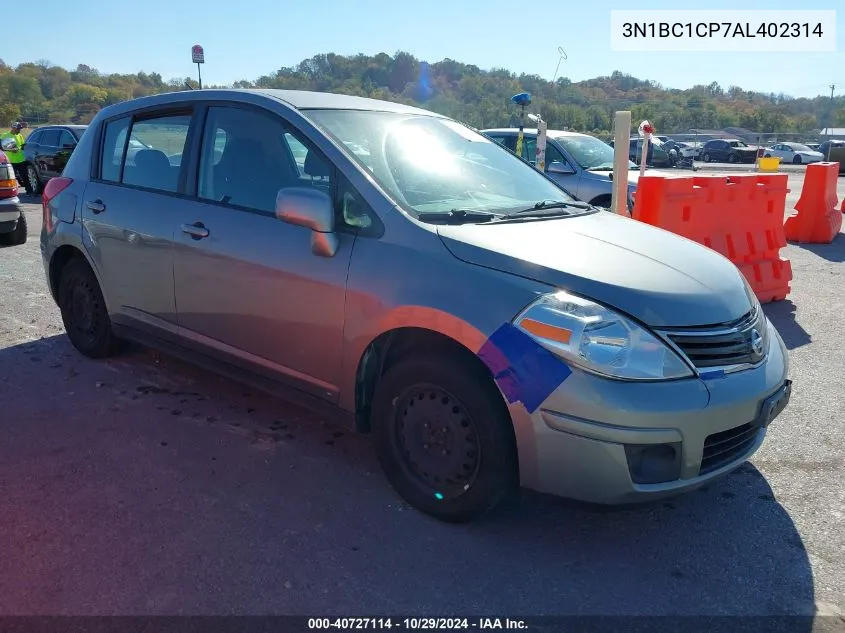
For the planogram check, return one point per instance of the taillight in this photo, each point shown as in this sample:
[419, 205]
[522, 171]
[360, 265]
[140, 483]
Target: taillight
[52, 189]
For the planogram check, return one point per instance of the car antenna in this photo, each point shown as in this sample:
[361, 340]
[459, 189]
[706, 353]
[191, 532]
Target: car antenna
[188, 85]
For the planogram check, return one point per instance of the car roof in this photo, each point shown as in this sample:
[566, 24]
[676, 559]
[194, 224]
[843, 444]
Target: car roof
[533, 130]
[298, 99]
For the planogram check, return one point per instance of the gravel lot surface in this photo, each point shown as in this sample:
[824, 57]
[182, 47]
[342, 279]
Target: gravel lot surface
[142, 485]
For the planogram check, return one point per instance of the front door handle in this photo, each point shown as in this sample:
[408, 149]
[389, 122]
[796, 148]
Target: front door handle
[196, 230]
[96, 206]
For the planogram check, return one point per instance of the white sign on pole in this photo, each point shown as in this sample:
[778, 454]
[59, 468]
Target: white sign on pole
[197, 54]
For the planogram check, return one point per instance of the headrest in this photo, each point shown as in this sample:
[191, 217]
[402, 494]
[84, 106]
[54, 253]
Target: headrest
[151, 159]
[316, 166]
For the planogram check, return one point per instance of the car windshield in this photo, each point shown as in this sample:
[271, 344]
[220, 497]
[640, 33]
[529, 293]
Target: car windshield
[798, 147]
[738, 144]
[588, 151]
[430, 164]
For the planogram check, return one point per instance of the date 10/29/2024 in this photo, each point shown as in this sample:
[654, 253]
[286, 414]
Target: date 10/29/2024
[417, 624]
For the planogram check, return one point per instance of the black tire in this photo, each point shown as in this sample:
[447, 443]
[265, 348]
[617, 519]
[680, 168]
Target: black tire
[84, 312]
[768, 156]
[603, 202]
[797, 160]
[458, 411]
[34, 184]
[16, 237]
[733, 158]
[706, 157]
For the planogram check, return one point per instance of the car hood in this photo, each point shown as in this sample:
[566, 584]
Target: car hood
[811, 154]
[653, 275]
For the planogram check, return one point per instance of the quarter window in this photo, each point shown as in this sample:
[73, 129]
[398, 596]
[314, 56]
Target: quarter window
[114, 140]
[66, 138]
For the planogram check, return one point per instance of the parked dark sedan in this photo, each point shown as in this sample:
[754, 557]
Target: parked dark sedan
[47, 150]
[728, 150]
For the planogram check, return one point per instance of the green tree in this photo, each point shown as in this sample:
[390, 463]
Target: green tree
[9, 112]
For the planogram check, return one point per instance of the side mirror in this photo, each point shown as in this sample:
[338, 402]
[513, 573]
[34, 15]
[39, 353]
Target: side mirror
[559, 168]
[312, 209]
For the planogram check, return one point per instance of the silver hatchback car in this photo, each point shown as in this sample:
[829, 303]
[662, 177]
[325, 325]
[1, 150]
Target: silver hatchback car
[406, 275]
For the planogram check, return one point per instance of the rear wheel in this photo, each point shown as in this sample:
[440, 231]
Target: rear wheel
[706, 157]
[84, 312]
[444, 437]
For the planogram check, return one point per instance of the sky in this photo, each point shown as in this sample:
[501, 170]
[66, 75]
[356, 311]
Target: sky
[245, 41]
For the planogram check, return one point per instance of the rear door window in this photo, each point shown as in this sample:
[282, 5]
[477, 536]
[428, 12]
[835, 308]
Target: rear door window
[154, 155]
[50, 138]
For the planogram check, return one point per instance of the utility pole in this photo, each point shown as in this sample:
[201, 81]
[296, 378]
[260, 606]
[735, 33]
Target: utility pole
[832, 112]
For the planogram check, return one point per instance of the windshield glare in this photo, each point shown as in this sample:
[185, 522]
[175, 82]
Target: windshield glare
[588, 151]
[797, 147]
[433, 165]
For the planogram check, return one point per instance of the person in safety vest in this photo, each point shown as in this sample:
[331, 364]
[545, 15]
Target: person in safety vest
[16, 157]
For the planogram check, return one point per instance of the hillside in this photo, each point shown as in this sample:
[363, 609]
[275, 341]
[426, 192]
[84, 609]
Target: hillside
[40, 92]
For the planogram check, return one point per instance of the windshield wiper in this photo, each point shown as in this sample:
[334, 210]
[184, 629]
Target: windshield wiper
[458, 216]
[544, 205]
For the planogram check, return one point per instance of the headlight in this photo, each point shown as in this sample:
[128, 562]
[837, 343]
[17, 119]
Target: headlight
[599, 340]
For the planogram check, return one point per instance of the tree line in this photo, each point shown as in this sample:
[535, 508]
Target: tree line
[39, 92]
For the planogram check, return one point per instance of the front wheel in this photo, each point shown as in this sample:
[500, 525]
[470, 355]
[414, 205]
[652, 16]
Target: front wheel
[602, 202]
[796, 160]
[706, 157]
[444, 437]
[733, 158]
[35, 184]
[84, 312]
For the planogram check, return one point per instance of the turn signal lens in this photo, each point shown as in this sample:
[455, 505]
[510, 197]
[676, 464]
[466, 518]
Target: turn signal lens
[546, 331]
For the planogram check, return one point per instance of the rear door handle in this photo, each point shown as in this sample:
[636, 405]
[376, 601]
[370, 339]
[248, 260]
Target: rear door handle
[196, 230]
[96, 206]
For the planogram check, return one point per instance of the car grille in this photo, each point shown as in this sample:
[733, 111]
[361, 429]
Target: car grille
[724, 447]
[726, 345]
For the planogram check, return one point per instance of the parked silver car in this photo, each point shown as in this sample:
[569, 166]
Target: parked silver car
[417, 281]
[580, 163]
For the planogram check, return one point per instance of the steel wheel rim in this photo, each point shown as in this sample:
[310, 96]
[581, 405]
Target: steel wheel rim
[84, 313]
[33, 177]
[437, 442]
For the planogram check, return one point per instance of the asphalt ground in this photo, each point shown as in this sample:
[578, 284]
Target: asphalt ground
[142, 485]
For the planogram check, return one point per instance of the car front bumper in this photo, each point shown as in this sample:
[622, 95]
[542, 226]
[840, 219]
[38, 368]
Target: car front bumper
[582, 442]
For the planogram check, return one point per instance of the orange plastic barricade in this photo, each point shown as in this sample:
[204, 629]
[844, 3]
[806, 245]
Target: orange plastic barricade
[818, 220]
[739, 216]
